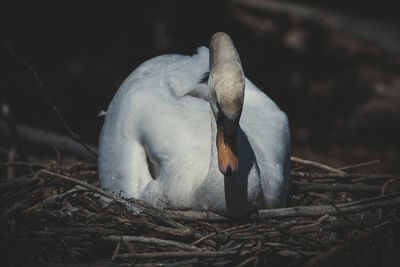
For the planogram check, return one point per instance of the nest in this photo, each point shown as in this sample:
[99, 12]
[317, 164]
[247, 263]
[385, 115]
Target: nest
[60, 217]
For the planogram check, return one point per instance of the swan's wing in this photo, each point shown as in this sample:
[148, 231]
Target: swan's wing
[267, 129]
[151, 116]
[178, 73]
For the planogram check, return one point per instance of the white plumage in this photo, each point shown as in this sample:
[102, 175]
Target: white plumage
[158, 142]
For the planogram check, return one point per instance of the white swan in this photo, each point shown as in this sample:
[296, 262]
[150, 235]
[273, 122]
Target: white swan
[162, 143]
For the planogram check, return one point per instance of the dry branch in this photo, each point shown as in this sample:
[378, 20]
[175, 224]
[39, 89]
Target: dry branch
[194, 216]
[182, 263]
[316, 164]
[181, 254]
[358, 165]
[85, 220]
[311, 211]
[316, 187]
[315, 175]
[151, 240]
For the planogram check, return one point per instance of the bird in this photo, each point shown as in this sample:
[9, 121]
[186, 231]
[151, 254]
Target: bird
[193, 132]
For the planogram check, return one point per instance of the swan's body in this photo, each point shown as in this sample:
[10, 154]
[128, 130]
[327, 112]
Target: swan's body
[161, 117]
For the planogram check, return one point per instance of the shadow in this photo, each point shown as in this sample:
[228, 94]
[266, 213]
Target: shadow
[236, 186]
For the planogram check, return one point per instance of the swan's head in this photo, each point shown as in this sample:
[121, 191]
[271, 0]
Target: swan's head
[226, 85]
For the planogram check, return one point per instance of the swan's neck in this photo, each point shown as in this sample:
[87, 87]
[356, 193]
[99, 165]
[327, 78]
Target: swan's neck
[234, 188]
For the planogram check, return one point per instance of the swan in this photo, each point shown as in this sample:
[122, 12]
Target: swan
[171, 139]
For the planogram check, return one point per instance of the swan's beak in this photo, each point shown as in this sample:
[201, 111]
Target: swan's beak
[227, 152]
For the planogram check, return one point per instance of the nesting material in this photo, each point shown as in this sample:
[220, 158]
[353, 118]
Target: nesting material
[59, 216]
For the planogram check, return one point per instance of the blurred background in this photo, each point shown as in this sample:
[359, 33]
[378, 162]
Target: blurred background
[333, 67]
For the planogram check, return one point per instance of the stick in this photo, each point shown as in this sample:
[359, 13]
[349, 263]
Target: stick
[362, 164]
[346, 217]
[316, 164]
[314, 175]
[136, 209]
[151, 240]
[181, 263]
[180, 254]
[384, 177]
[203, 238]
[219, 232]
[314, 187]
[259, 243]
[247, 261]
[86, 185]
[170, 231]
[194, 216]
[116, 250]
[313, 211]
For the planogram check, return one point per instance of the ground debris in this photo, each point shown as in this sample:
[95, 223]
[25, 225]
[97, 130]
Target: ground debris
[59, 216]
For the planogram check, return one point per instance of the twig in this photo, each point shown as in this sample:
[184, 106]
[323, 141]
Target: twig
[116, 250]
[181, 263]
[73, 135]
[311, 211]
[247, 261]
[136, 209]
[219, 233]
[170, 231]
[129, 247]
[331, 225]
[86, 185]
[180, 254]
[386, 184]
[151, 240]
[309, 240]
[314, 175]
[309, 227]
[362, 164]
[316, 164]
[203, 238]
[371, 200]
[369, 178]
[194, 216]
[314, 187]
[259, 243]
[344, 216]
[383, 192]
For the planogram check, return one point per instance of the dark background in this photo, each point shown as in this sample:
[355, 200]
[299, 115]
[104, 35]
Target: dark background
[335, 72]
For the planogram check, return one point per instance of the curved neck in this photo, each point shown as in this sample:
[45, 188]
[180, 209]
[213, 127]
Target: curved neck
[233, 188]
